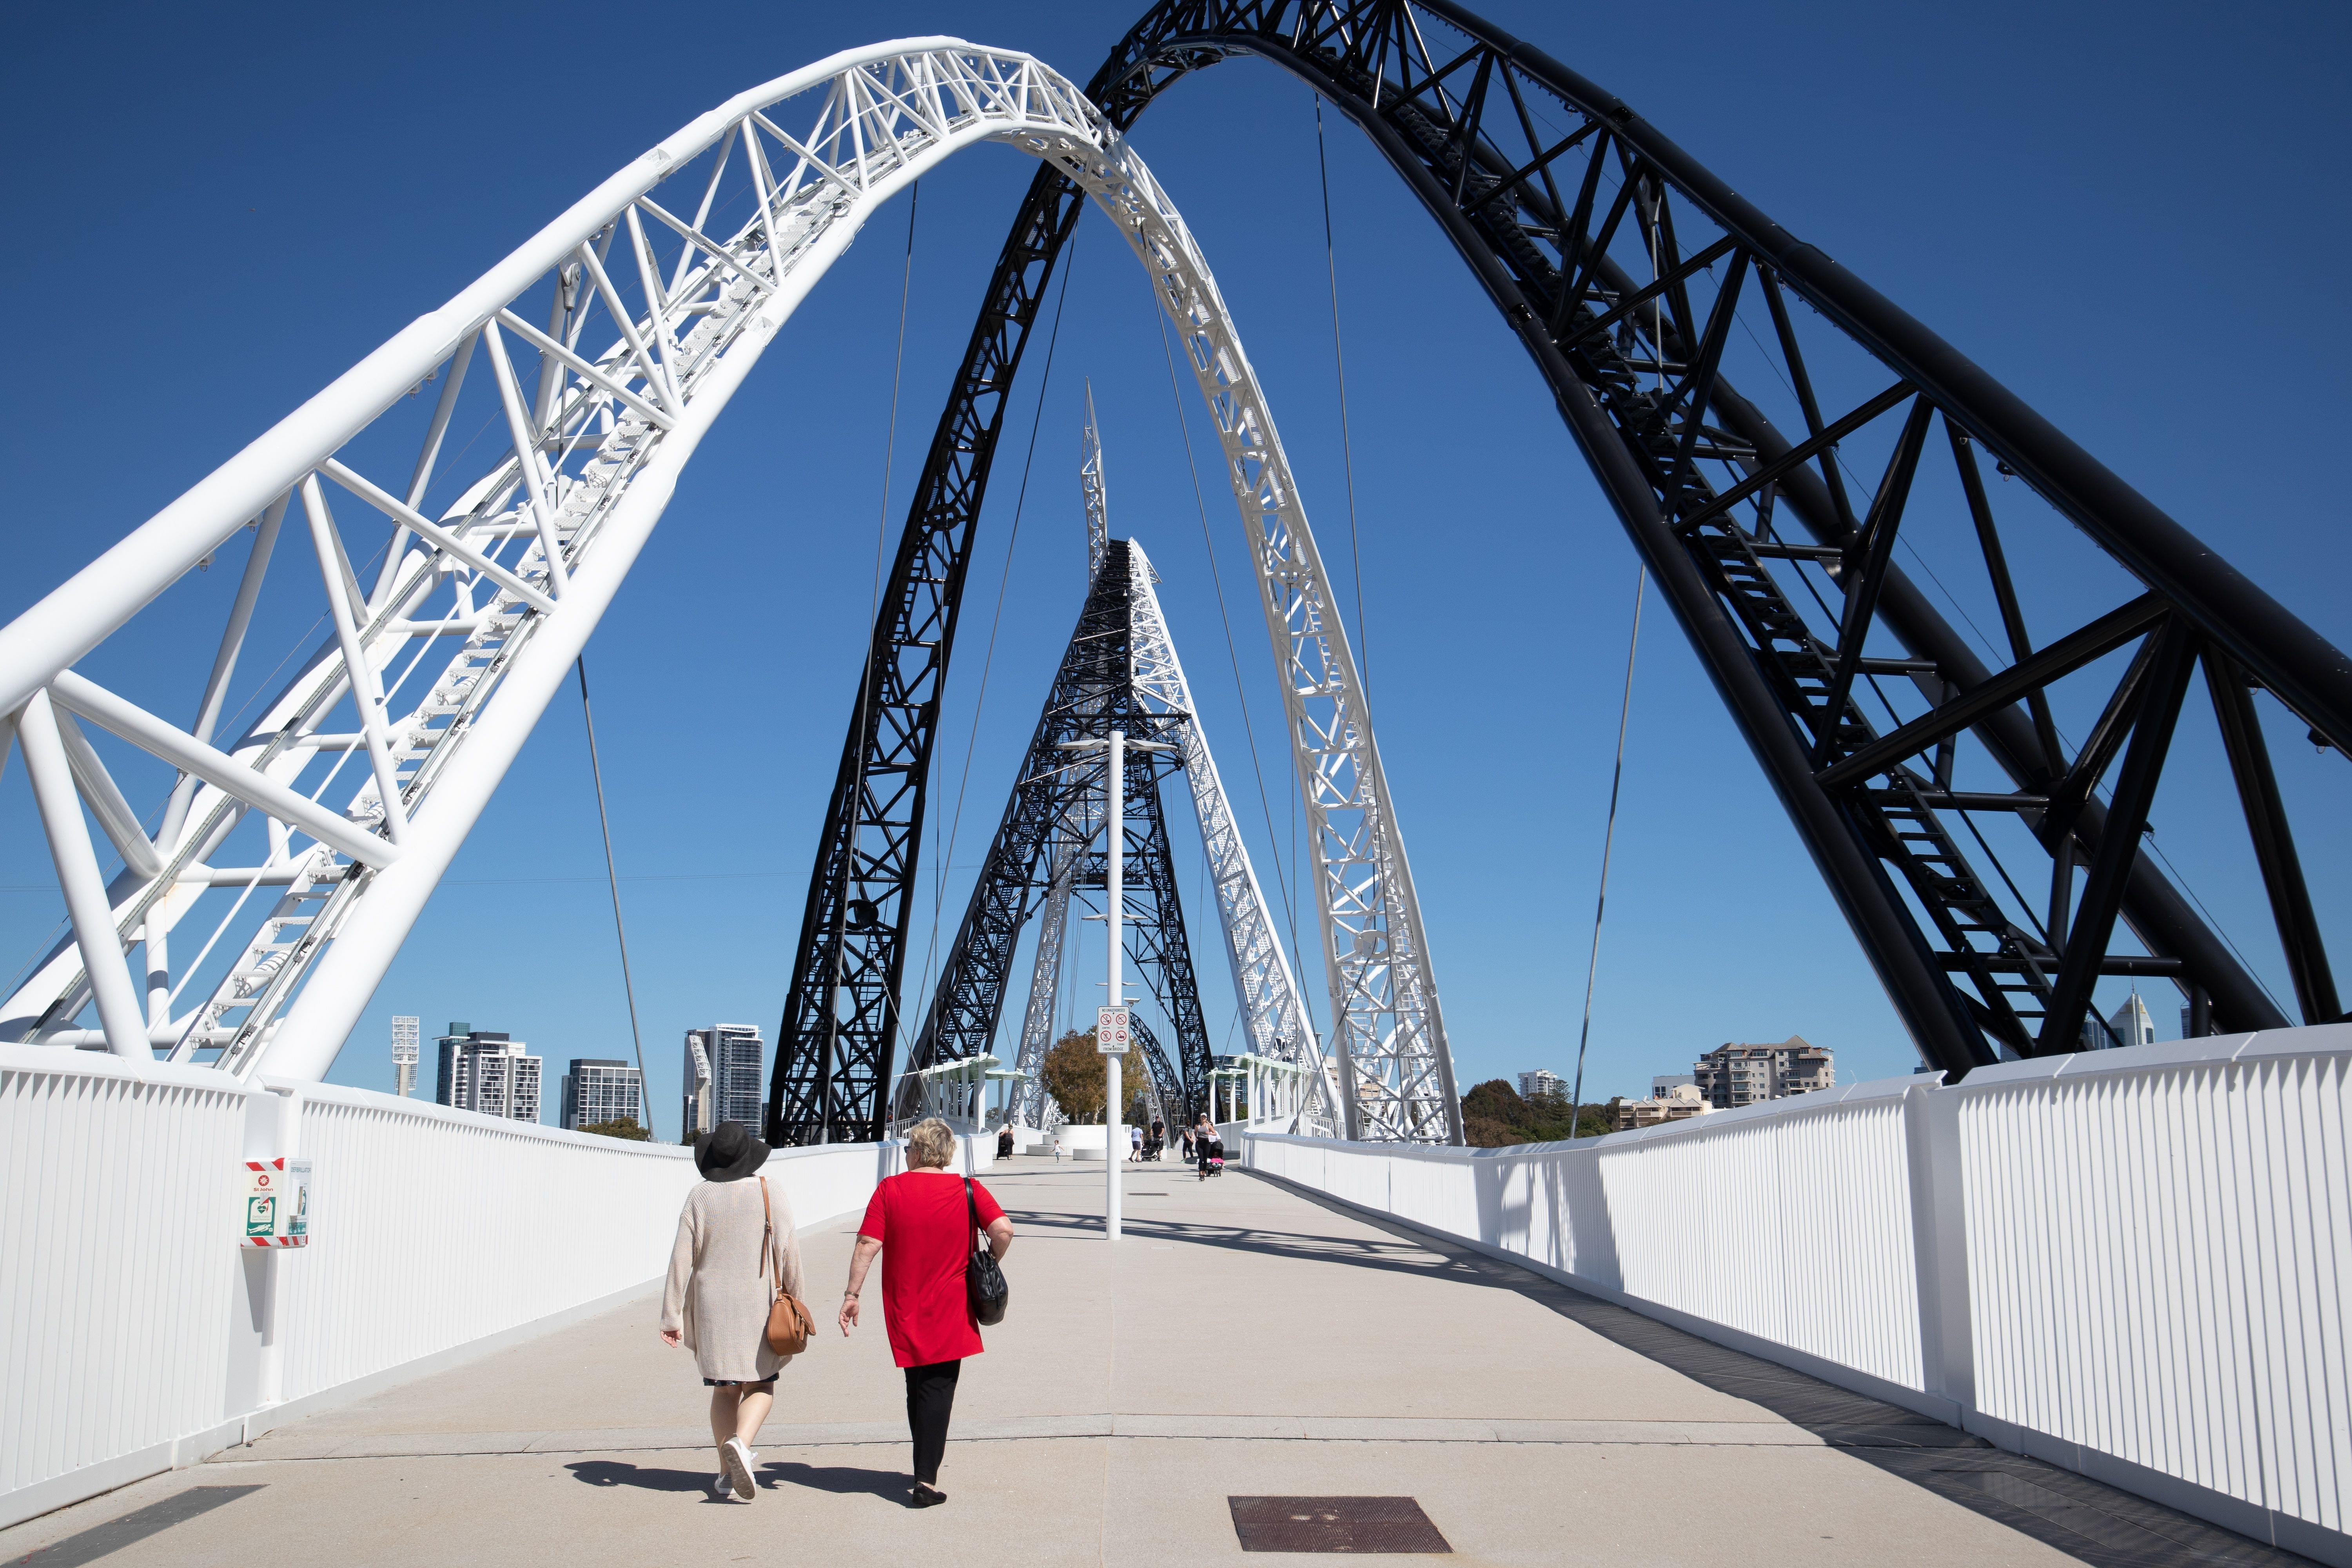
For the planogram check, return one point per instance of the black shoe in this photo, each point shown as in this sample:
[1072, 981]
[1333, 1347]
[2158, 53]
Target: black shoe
[920, 1496]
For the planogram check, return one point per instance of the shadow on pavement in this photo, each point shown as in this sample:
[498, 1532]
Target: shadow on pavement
[620, 1473]
[842, 1481]
[2069, 1512]
[105, 1539]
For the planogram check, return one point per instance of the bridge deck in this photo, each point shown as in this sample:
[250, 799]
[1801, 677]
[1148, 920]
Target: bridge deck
[1243, 1340]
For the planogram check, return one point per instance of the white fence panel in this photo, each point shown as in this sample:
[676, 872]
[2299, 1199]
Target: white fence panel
[117, 1253]
[433, 1227]
[2160, 1258]
[1793, 1226]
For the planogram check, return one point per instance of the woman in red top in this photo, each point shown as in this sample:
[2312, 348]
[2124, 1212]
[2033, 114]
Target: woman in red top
[922, 1217]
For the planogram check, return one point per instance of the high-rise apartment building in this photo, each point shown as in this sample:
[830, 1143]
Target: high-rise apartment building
[1542, 1081]
[403, 1055]
[484, 1070]
[731, 1057]
[1734, 1074]
[600, 1092]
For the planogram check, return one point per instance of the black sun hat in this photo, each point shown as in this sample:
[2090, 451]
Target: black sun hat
[728, 1153]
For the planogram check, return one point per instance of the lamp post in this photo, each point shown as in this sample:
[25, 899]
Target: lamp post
[1115, 996]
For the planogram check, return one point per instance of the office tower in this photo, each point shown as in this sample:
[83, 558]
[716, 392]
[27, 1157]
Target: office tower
[724, 1082]
[2131, 1025]
[600, 1092]
[403, 1055]
[483, 1070]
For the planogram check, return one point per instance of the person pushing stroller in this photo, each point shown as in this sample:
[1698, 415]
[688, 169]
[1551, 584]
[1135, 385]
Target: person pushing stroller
[1208, 1148]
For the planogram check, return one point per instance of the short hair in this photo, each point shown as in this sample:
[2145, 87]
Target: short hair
[932, 1144]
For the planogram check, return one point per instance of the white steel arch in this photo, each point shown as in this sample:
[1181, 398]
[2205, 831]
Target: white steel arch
[517, 567]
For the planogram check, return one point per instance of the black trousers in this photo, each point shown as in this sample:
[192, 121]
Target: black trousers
[930, 1397]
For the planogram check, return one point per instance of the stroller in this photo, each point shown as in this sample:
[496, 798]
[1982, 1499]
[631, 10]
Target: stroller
[1213, 1159]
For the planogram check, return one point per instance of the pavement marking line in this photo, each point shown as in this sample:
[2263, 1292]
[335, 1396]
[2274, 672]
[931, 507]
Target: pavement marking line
[1131, 1425]
[104, 1540]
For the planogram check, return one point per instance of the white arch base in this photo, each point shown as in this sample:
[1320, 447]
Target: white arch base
[450, 642]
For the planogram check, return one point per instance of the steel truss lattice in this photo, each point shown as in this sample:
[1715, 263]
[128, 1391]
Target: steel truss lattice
[1624, 266]
[602, 350]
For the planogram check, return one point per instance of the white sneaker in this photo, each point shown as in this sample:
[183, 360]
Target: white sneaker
[739, 1461]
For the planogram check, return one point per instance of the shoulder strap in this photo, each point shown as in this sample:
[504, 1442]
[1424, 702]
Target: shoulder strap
[971, 1203]
[767, 1233]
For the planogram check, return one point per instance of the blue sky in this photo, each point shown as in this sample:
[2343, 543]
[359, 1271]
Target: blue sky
[2116, 215]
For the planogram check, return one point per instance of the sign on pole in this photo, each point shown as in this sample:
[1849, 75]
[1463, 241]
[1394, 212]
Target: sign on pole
[1112, 1031]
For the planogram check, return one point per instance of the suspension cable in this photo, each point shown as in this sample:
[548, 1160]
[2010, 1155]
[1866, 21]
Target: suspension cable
[1608, 843]
[613, 877]
[1347, 444]
[1249, 732]
[941, 856]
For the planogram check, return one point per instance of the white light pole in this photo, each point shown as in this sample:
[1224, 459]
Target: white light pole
[1114, 906]
[1114, 910]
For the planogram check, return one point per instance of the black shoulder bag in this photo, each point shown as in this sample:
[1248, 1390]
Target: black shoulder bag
[983, 1282]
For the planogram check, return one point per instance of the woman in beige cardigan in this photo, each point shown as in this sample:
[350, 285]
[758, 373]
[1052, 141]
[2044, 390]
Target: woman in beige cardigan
[735, 1240]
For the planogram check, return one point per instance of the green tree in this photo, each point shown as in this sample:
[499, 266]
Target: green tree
[1075, 1076]
[621, 1127]
[1493, 1116]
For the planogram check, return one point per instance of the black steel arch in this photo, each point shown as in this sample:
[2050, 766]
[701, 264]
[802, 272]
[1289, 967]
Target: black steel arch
[1458, 108]
[1538, 213]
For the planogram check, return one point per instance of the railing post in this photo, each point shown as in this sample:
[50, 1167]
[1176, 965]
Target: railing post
[256, 1351]
[1931, 1126]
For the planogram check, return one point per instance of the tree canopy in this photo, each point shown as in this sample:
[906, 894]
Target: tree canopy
[1075, 1076]
[622, 1127]
[1493, 1116]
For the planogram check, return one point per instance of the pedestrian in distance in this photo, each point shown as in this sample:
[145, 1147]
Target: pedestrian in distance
[1205, 1144]
[1004, 1142]
[735, 1245]
[921, 1223]
[1134, 1141]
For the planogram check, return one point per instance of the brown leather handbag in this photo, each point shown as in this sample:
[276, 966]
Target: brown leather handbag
[789, 1323]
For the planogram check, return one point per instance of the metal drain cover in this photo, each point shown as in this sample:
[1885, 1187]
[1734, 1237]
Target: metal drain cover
[1334, 1524]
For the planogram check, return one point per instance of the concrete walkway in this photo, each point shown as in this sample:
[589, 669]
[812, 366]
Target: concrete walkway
[1242, 1341]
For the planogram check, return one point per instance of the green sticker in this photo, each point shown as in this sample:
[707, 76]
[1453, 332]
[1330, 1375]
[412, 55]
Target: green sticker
[261, 1215]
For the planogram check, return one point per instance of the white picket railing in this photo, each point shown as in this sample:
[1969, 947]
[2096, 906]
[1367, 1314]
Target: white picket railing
[117, 1263]
[135, 1332]
[434, 1228]
[2159, 1267]
[2135, 1263]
